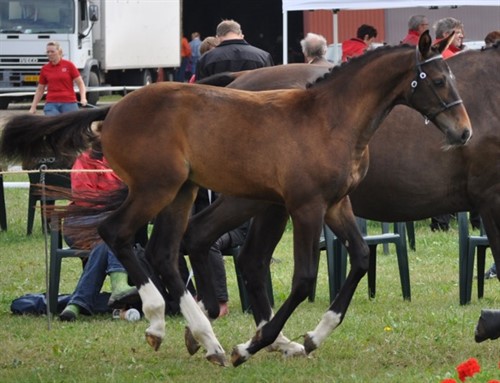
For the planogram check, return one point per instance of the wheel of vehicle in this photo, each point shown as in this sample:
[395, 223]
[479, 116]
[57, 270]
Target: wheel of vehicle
[93, 97]
[4, 103]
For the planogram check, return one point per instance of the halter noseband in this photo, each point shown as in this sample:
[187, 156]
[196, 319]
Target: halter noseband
[422, 76]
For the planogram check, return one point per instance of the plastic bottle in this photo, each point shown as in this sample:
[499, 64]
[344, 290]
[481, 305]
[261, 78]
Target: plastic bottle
[130, 315]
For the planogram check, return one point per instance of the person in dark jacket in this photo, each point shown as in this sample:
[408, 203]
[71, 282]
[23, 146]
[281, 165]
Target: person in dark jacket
[233, 54]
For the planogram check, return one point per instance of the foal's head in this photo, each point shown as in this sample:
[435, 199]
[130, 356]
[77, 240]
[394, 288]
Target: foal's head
[434, 92]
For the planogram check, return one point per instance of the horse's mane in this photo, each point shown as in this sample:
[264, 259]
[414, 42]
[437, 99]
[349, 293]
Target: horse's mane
[358, 60]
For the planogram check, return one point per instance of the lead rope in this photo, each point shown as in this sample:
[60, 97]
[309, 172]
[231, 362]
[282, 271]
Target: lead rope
[43, 201]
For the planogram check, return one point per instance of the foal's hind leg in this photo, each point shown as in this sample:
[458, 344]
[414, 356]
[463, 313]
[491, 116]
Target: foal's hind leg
[170, 224]
[307, 222]
[118, 232]
[341, 220]
[254, 259]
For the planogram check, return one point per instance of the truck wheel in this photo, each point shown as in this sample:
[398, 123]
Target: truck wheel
[93, 97]
[4, 103]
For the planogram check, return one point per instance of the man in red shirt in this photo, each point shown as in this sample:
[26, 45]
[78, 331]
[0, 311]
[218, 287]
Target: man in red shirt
[358, 45]
[417, 25]
[57, 77]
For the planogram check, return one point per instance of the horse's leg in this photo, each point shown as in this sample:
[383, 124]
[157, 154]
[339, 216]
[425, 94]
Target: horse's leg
[163, 250]
[203, 230]
[118, 231]
[341, 220]
[307, 222]
[254, 258]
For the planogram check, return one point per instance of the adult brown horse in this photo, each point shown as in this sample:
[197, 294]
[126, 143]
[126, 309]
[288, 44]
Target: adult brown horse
[305, 149]
[433, 182]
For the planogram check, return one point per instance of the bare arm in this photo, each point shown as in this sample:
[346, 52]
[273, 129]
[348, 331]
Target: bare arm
[83, 91]
[40, 89]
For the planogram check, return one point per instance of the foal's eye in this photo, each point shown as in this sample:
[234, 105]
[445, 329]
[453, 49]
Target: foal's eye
[438, 82]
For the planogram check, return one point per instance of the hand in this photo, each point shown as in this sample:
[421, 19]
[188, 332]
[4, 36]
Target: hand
[83, 102]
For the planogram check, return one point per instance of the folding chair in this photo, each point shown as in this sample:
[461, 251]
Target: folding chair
[467, 250]
[337, 258]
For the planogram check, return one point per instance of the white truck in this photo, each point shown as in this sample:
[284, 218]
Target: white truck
[112, 42]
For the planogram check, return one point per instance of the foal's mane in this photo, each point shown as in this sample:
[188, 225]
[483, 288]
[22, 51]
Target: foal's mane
[358, 60]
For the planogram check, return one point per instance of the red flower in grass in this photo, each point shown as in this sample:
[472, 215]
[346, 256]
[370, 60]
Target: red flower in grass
[449, 381]
[468, 369]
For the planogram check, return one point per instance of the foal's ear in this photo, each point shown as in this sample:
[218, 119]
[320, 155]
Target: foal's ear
[445, 43]
[424, 44]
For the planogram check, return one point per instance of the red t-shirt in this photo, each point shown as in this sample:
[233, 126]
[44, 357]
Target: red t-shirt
[411, 38]
[59, 80]
[353, 47]
[92, 184]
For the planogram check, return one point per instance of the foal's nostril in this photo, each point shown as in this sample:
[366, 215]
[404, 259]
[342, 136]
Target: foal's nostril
[466, 135]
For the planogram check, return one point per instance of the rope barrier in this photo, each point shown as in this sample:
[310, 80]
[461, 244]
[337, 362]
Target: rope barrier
[56, 171]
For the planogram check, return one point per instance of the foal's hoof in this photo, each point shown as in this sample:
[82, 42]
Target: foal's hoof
[192, 344]
[309, 345]
[154, 341]
[238, 357]
[218, 359]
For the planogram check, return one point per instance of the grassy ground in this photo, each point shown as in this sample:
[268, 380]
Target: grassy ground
[382, 340]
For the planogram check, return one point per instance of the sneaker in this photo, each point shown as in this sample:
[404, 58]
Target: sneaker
[69, 314]
[491, 273]
[124, 298]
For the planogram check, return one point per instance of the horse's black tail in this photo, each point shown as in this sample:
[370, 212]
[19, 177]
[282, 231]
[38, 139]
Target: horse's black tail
[219, 79]
[31, 136]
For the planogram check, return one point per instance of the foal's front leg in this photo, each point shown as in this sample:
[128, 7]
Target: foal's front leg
[341, 220]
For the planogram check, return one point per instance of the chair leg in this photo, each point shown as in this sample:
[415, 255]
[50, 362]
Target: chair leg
[372, 272]
[31, 213]
[404, 272]
[410, 229]
[336, 257]
[469, 273]
[481, 258]
[54, 280]
[463, 246]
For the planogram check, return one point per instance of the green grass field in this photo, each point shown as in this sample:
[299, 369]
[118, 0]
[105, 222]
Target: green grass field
[381, 340]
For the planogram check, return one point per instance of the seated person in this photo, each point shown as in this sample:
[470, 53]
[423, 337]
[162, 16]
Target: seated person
[101, 260]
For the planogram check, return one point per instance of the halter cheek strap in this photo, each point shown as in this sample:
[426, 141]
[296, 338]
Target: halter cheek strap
[422, 76]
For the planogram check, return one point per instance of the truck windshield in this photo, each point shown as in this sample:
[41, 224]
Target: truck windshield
[37, 16]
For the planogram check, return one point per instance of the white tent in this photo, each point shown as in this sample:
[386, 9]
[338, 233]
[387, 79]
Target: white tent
[301, 5]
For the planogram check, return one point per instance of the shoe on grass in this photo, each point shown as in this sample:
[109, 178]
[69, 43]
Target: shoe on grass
[70, 313]
[124, 298]
[491, 273]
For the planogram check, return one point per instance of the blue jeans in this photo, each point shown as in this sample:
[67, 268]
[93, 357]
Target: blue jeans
[100, 263]
[54, 108]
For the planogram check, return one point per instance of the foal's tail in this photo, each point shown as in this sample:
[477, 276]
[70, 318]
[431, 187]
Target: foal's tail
[31, 136]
